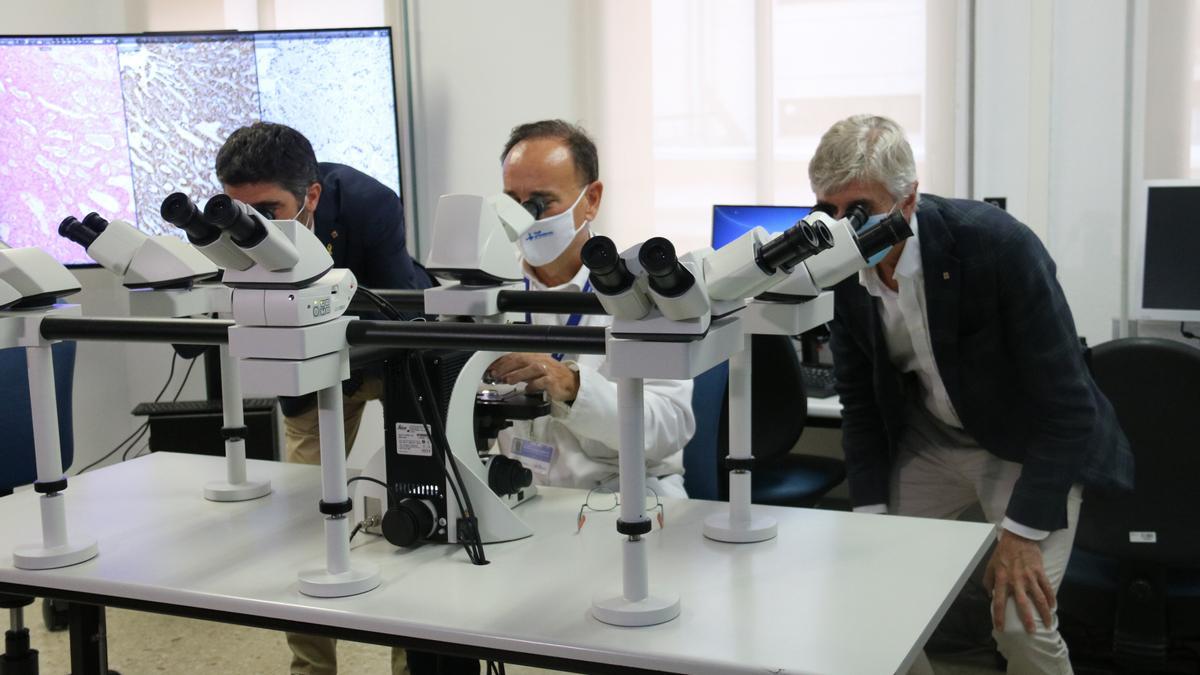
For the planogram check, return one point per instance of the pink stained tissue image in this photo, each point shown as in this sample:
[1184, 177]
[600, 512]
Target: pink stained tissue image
[183, 99]
[63, 148]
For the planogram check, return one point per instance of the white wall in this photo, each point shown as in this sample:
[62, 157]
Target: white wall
[479, 69]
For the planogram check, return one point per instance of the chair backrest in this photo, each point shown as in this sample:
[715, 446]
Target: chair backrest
[701, 467]
[16, 452]
[779, 400]
[1154, 386]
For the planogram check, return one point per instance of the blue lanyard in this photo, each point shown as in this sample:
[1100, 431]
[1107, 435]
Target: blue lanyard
[572, 320]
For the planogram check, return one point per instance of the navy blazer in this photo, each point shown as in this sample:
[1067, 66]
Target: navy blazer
[1006, 348]
[361, 223]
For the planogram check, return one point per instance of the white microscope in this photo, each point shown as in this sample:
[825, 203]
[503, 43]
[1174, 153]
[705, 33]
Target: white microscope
[31, 283]
[289, 339]
[676, 317]
[165, 278]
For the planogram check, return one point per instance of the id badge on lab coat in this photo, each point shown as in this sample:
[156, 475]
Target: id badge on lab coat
[537, 457]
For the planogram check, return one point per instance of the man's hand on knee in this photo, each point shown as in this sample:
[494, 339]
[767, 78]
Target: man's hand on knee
[1016, 571]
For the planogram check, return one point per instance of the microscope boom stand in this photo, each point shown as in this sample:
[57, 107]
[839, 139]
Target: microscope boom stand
[57, 548]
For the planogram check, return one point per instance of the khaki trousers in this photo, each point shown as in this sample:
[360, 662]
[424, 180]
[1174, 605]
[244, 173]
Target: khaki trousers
[312, 654]
[940, 472]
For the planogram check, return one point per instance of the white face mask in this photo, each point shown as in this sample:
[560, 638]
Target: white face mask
[296, 218]
[550, 237]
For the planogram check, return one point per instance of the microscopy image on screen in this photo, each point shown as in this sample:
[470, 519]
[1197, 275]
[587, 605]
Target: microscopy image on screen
[182, 100]
[62, 134]
[338, 93]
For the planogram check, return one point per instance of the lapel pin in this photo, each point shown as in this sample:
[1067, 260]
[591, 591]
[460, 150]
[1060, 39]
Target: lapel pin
[945, 276]
[333, 234]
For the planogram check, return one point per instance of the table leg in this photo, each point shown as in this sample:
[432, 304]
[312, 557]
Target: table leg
[89, 639]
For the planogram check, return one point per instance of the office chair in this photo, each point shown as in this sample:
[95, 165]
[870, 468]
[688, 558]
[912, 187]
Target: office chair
[20, 468]
[780, 477]
[1134, 574]
[702, 475]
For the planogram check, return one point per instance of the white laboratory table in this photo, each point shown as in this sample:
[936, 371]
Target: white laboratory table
[834, 593]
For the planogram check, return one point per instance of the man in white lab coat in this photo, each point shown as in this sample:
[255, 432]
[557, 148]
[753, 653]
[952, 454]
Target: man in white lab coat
[552, 165]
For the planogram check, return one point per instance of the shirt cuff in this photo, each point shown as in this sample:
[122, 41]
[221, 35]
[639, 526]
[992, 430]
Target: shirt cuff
[871, 508]
[1022, 530]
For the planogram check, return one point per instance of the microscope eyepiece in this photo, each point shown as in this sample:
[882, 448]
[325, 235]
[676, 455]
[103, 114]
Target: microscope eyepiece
[667, 276]
[228, 214]
[95, 222]
[607, 269]
[887, 232]
[536, 206]
[857, 215]
[789, 249]
[72, 229]
[179, 210]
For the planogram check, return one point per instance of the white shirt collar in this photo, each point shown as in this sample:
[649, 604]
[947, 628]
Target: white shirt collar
[908, 266]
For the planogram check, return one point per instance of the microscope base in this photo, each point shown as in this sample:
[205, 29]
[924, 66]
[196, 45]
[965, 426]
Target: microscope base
[38, 557]
[321, 583]
[618, 611]
[720, 527]
[224, 491]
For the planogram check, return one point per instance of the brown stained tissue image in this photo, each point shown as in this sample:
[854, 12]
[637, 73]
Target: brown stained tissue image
[183, 100]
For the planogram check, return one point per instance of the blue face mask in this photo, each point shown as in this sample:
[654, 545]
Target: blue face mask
[871, 222]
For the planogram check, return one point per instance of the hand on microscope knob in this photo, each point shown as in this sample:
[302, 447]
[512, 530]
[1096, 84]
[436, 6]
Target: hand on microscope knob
[539, 372]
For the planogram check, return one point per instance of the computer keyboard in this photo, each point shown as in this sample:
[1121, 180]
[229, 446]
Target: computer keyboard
[196, 407]
[818, 381]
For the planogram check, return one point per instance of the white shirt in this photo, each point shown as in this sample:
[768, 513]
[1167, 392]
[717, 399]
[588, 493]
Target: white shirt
[585, 434]
[906, 329]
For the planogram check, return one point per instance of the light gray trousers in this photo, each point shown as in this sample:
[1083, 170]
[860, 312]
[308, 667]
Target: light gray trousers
[940, 472]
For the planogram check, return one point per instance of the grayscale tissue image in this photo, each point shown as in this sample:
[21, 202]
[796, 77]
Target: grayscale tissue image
[338, 93]
[182, 99]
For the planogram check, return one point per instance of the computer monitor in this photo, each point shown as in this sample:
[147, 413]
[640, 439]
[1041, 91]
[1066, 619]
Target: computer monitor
[115, 123]
[731, 222]
[1166, 232]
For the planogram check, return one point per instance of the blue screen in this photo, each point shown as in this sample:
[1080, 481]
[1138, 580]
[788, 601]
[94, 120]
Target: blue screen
[731, 222]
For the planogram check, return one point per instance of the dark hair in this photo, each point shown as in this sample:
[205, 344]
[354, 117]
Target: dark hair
[583, 150]
[265, 152]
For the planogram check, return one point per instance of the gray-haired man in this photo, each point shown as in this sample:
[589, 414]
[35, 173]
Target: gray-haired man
[962, 381]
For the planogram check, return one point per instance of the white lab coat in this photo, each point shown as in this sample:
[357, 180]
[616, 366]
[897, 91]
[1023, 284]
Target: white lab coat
[585, 435]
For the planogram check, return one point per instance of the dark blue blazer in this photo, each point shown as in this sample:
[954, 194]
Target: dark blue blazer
[1006, 348]
[361, 223]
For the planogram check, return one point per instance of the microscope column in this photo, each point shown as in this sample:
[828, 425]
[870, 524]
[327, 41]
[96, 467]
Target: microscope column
[740, 525]
[56, 549]
[635, 606]
[337, 579]
[235, 487]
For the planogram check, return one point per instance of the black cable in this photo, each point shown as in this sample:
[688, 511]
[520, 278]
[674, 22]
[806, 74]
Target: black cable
[469, 538]
[1187, 334]
[376, 481]
[355, 531]
[141, 429]
[472, 521]
[385, 307]
[186, 375]
[144, 429]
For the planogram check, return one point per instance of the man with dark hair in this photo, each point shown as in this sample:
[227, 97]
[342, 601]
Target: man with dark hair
[551, 167]
[273, 168]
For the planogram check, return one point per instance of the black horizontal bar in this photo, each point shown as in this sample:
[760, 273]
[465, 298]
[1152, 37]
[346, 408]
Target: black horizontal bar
[493, 337]
[550, 302]
[179, 331]
[534, 302]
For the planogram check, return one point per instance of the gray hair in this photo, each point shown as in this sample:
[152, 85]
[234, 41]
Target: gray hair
[863, 147]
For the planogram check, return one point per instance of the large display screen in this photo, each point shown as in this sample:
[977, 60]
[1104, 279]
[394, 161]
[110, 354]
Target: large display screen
[115, 123]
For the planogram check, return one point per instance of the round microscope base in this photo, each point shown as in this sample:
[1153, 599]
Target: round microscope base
[320, 583]
[223, 491]
[719, 527]
[652, 610]
[38, 557]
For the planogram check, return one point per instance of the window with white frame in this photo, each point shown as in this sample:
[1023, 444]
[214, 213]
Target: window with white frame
[741, 91]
